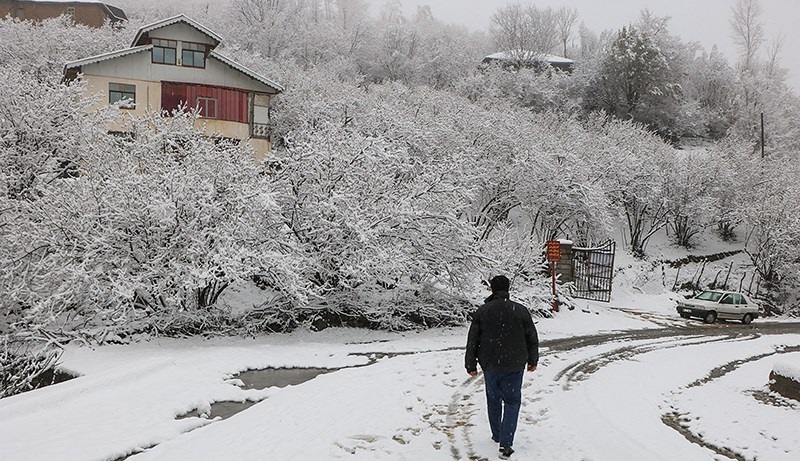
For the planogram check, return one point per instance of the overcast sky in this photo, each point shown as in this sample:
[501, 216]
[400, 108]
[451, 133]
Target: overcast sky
[704, 21]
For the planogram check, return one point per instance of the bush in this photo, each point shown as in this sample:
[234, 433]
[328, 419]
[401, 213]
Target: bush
[26, 365]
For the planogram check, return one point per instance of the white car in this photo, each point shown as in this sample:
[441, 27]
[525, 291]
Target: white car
[711, 305]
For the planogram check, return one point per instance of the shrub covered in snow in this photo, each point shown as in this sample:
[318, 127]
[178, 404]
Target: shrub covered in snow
[22, 364]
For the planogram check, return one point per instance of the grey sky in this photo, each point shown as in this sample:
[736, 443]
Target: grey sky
[704, 21]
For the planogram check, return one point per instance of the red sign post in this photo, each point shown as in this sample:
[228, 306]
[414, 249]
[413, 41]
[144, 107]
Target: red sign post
[553, 256]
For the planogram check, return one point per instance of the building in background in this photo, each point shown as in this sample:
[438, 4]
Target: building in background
[531, 59]
[88, 13]
[173, 64]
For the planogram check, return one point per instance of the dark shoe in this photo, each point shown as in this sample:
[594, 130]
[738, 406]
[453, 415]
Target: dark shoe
[495, 439]
[506, 452]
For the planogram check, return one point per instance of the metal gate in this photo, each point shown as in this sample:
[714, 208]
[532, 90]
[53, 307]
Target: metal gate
[593, 272]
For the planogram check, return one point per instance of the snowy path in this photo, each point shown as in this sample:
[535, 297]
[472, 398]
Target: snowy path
[629, 399]
[691, 392]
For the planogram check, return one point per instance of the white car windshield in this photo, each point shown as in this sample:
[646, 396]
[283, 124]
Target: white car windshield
[709, 296]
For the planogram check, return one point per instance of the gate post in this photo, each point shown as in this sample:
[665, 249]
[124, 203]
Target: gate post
[553, 256]
[564, 264]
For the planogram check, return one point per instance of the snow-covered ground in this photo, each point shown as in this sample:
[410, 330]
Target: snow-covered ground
[788, 369]
[612, 400]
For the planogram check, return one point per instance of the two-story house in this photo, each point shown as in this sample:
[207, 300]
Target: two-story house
[173, 63]
[86, 12]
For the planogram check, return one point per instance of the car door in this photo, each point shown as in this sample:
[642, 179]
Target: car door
[748, 306]
[740, 306]
[727, 306]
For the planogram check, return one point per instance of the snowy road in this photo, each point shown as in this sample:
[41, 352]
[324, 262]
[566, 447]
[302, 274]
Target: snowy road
[631, 396]
[676, 391]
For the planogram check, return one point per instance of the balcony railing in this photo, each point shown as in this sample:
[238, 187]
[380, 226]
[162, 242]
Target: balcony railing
[260, 130]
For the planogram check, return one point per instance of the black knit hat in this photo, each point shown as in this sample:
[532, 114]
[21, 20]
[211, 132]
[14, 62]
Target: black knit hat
[499, 283]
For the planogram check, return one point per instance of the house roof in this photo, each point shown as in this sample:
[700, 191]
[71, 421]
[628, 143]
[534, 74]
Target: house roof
[166, 22]
[174, 20]
[114, 12]
[213, 54]
[105, 56]
[278, 88]
[117, 12]
[550, 58]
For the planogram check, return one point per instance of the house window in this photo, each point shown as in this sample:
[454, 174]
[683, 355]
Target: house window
[207, 107]
[123, 94]
[71, 11]
[193, 55]
[165, 51]
[259, 127]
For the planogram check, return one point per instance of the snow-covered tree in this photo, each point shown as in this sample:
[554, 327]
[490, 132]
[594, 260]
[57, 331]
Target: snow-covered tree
[691, 197]
[711, 82]
[637, 164]
[527, 88]
[369, 211]
[747, 30]
[374, 182]
[40, 49]
[774, 234]
[526, 32]
[566, 18]
[151, 228]
[270, 27]
[634, 68]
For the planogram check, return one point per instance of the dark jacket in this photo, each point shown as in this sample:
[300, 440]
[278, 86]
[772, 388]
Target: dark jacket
[502, 336]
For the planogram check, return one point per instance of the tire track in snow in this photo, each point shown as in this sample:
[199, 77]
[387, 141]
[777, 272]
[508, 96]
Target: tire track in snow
[584, 368]
[661, 320]
[459, 428]
[679, 421]
[676, 421]
[723, 370]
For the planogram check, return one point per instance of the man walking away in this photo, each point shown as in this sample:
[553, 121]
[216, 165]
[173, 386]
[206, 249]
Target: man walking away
[503, 339]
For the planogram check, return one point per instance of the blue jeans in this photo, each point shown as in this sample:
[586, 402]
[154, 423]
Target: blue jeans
[503, 399]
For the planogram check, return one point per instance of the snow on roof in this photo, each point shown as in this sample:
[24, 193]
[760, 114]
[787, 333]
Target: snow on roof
[174, 20]
[105, 56]
[278, 88]
[551, 58]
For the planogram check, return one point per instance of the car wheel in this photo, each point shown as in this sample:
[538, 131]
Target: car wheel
[686, 316]
[747, 319]
[711, 317]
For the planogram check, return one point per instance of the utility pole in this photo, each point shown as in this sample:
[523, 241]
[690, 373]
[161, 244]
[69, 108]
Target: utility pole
[762, 134]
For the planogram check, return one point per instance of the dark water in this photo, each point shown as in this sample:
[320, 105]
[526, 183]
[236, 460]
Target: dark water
[260, 379]
[224, 410]
[279, 377]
